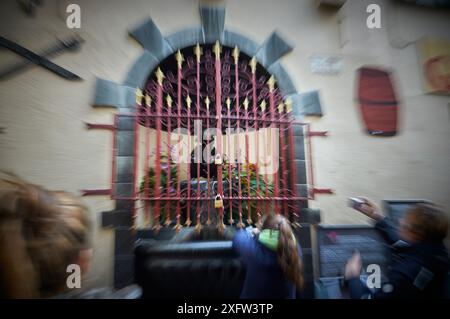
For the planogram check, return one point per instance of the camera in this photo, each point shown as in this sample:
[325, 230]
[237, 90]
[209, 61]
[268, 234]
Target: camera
[355, 202]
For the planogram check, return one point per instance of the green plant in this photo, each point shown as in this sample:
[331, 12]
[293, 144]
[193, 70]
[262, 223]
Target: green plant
[147, 185]
[148, 182]
[251, 184]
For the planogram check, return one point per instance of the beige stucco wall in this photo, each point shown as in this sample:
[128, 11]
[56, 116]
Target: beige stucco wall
[46, 142]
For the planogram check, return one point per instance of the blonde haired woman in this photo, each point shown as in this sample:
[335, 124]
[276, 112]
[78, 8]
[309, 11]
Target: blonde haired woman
[41, 233]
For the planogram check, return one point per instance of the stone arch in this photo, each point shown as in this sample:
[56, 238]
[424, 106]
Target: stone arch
[157, 47]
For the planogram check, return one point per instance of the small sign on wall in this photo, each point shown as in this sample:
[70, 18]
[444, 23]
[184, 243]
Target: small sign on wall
[325, 64]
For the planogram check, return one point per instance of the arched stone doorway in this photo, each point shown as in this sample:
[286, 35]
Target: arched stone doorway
[122, 96]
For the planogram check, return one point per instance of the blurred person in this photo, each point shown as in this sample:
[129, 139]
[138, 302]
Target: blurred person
[41, 233]
[421, 264]
[272, 258]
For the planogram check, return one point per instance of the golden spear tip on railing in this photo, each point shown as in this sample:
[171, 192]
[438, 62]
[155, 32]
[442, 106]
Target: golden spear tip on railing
[198, 227]
[228, 102]
[280, 107]
[157, 228]
[245, 103]
[207, 102]
[159, 76]
[271, 83]
[263, 105]
[217, 49]
[138, 96]
[198, 51]
[148, 100]
[288, 103]
[179, 57]
[235, 54]
[169, 100]
[221, 227]
[178, 227]
[188, 101]
[253, 64]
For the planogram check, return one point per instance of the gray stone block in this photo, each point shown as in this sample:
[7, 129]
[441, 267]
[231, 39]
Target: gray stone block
[141, 70]
[300, 167]
[124, 169]
[307, 103]
[124, 205]
[123, 190]
[310, 103]
[123, 270]
[307, 259]
[283, 80]
[125, 143]
[108, 93]
[125, 123]
[303, 234]
[150, 37]
[244, 44]
[213, 23]
[117, 218]
[124, 240]
[296, 104]
[273, 48]
[185, 38]
[309, 216]
[302, 190]
[298, 130]
[299, 147]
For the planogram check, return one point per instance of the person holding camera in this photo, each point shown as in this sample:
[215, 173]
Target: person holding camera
[421, 266]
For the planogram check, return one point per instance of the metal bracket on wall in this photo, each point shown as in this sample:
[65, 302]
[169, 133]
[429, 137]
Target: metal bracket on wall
[98, 192]
[96, 126]
[318, 133]
[313, 189]
[69, 45]
[95, 192]
[322, 191]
